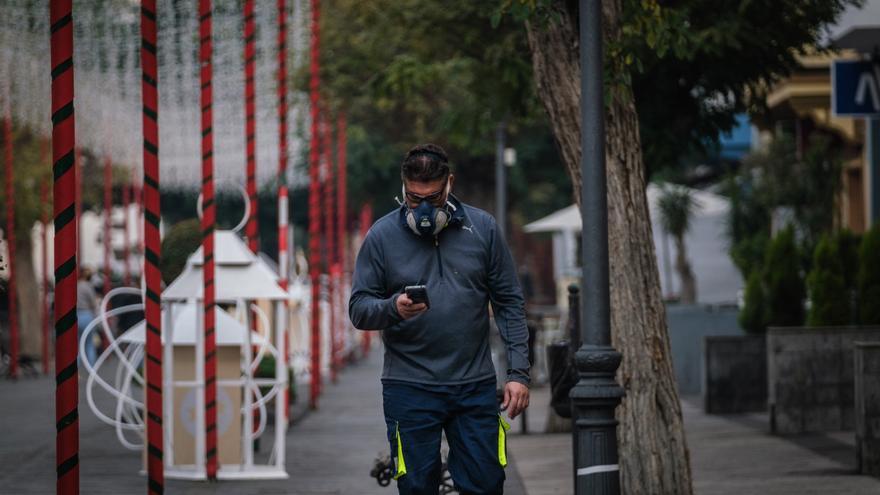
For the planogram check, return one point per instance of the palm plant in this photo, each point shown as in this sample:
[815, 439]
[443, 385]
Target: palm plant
[677, 206]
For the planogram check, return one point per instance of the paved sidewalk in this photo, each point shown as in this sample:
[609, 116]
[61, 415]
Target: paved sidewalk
[730, 455]
[329, 451]
[736, 455]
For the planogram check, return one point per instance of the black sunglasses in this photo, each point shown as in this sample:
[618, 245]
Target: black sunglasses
[415, 198]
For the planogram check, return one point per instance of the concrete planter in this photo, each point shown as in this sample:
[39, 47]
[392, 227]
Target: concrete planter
[688, 326]
[734, 374]
[811, 377]
[867, 407]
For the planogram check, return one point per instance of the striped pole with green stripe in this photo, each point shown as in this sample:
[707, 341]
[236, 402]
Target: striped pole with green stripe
[208, 223]
[250, 125]
[152, 249]
[314, 204]
[64, 195]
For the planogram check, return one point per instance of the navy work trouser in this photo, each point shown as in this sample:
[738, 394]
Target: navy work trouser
[416, 414]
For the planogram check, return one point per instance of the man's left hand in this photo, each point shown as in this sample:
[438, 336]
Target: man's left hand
[516, 399]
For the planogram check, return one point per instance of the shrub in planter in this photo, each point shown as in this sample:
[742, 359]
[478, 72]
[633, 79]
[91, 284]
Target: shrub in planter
[748, 253]
[181, 240]
[848, 250]
[783, 283]
[753, 315]
[869, 278]
[830, 302]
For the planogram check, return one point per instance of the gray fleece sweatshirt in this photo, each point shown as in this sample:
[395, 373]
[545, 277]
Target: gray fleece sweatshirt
[465, 268]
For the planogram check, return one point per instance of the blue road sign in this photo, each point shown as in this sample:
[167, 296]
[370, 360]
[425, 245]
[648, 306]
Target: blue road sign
[856, 89]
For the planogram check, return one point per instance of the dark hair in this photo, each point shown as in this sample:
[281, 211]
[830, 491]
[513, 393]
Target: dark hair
[425, 163]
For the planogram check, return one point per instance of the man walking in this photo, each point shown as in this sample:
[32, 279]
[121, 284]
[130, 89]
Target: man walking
[438, 374]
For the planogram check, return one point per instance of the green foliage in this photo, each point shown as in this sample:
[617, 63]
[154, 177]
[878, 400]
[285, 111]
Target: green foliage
[408, 69]
[748, 224]
[179, 204]
[411, 71]
[808, 185]
[748, 253]
[181, 240]
[537, 190]
[377, 176]
[830, 302]
[753, 316]
[848, 249]
[715, 56]
[677, 206]
[783, 283]
[869, 278]
[818, 182]
[31, 166]
[707, 59]
[777, 178]
[266, 367]
[749, 212]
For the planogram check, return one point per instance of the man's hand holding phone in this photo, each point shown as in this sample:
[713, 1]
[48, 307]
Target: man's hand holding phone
[407, 309]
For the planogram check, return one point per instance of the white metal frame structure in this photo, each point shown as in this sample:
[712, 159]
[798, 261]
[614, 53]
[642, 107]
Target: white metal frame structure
[242, 279]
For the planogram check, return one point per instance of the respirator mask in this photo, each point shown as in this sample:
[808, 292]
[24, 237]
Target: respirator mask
[427, 219]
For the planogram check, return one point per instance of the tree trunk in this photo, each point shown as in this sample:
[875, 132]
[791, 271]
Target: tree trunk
[653, 452]
[28, 293]
[683, 267]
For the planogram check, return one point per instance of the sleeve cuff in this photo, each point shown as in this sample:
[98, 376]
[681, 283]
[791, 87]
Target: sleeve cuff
[392, 309]
[520, 376]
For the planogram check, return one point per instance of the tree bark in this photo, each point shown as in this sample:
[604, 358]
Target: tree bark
[682, 265]
[28, 293]
[653, 452]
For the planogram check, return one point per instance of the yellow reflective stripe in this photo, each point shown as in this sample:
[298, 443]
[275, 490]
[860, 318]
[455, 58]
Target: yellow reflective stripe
[503, 426]
[401, 464]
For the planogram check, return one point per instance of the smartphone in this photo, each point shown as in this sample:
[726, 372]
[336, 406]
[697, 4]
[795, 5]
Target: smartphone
[417, 294]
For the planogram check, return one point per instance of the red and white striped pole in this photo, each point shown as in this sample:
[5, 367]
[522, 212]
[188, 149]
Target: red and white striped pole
[314, 203]
[341, 192]
[283, 262]
[250, 125]
[208, 224]
[250, 131]
[126, 239]
[10, 242]
[326, 191]
[152, 248]
[366, 221]
[64, 194]
[44, 262]
[108, 225]
[327, 195]
[341, 221]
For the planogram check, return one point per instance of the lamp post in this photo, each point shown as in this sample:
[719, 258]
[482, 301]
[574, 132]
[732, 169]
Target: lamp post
[596, 394]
